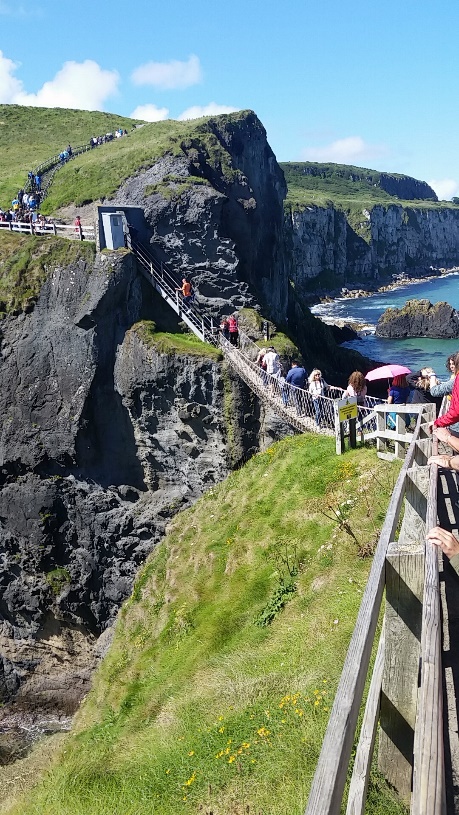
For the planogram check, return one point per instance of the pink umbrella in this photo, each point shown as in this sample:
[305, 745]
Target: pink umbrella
[387, 372]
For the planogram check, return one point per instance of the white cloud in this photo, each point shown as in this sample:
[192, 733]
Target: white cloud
[446, 188]
[169, 75]
[149, 113]
[345, 151]
[82, 85]
[212, 109]
[10, 86]
[19, 10]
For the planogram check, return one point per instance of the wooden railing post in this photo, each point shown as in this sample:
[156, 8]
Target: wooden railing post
[380, 427]
[339, 433]
[404, 590]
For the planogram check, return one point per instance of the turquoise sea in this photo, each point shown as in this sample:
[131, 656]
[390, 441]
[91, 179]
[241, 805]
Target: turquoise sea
[415, 353]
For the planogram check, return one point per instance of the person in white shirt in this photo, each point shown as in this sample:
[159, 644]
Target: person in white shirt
[272, 362]
[317, 386]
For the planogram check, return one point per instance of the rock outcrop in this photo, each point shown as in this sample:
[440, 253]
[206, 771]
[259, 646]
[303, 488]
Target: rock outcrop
[419, 318]
[216, 213]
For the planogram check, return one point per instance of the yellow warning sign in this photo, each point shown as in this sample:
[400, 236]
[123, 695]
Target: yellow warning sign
[347, 408]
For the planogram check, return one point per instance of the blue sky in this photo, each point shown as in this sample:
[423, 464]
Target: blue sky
[366, 82]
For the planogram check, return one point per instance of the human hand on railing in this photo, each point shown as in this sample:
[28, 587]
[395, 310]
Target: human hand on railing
[445, 461]
[444, 540]
[441, 433]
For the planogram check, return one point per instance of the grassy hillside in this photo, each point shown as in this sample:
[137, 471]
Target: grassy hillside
[217, 689]
[31, 135]
[348, 187]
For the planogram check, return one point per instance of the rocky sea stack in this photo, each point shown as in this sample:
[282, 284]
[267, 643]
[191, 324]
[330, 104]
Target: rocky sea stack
[419, 318]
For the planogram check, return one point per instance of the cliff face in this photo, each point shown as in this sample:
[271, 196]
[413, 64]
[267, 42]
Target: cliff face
[103, 438]
[216, 213]
[382, 240]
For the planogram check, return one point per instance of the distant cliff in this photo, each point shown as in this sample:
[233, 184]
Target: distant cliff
[371, 244]
[349, 181]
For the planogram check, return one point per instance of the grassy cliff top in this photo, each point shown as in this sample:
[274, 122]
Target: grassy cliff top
[28, 136]
[171, 344]
[350, 187]
[217, 689]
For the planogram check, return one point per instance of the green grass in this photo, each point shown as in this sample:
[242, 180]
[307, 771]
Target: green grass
[172, 344]
[25, 263]
[197, 708]
[29, 136]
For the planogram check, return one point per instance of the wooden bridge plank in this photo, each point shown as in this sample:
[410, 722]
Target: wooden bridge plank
[362, 764]
[429, 774]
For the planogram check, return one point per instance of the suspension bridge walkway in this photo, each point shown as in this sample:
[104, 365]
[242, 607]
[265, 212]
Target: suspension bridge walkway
[294, 405]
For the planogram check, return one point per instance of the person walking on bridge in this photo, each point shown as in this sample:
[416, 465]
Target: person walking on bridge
[296, 377]
[233, 329]
[186, 290]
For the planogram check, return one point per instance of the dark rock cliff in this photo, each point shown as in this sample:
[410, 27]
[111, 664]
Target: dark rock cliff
[104, 437]
[419, 318]
[216, 212]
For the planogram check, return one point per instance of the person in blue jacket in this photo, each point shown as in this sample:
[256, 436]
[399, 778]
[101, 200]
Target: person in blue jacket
[296, 376]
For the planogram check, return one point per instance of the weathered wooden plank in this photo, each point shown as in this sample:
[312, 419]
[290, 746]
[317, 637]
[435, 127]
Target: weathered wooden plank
[404, 589]
[400, 429]
[330, 776]
[413, 526]
[429, 772]
[339, 433]
[386, 456]
[361, 771]
[386, 408]
[423, 451]
[390, 435]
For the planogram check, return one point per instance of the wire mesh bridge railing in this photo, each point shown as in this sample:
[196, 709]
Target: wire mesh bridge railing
[295, 405]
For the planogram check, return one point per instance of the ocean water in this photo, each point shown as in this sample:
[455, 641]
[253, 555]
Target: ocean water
[415, 353]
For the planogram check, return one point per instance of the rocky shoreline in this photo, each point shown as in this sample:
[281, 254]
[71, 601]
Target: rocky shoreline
[355, 292]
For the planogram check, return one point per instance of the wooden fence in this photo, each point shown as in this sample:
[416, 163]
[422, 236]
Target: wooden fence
[86, 232]
[406, 570]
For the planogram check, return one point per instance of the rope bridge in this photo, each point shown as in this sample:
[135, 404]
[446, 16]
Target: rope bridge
[295, 405]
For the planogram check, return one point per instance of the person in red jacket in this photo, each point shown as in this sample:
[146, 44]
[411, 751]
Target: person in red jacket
[233, 328]
[452, 415]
